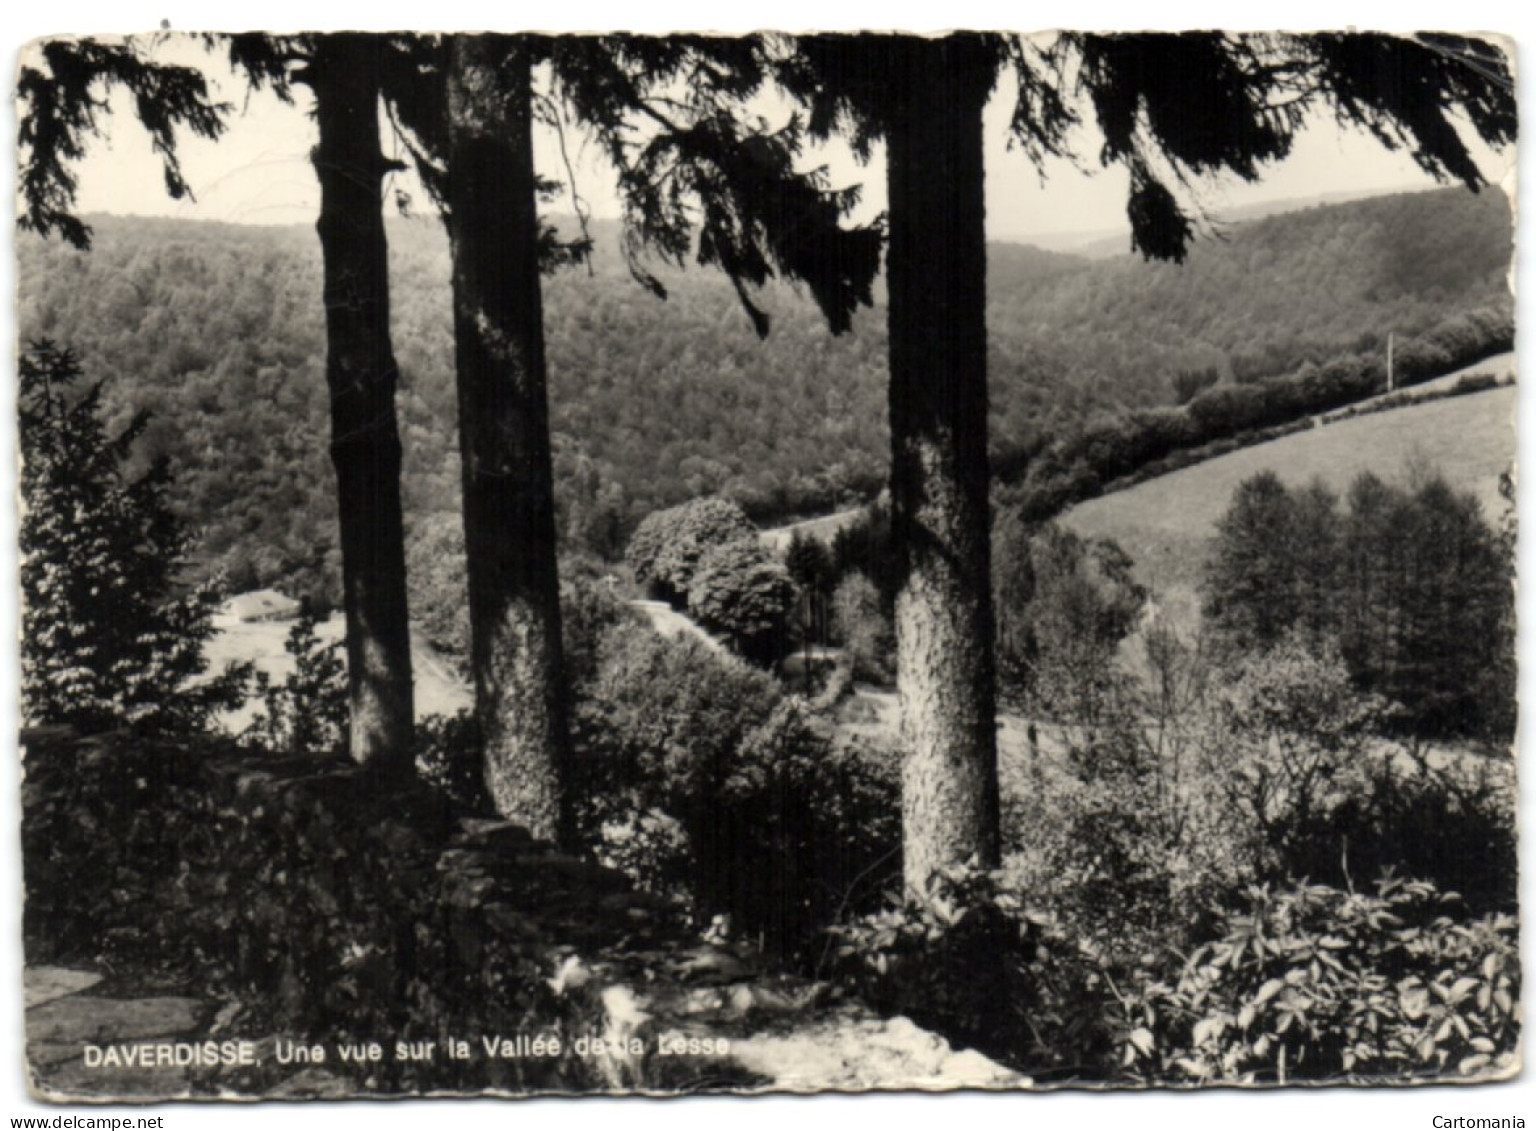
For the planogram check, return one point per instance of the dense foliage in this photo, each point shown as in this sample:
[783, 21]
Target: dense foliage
[1295, 982]
[744, 593]
[1316, 983]
[315, 899]
[219, 332]
[669, 545]
[703, 780]
[1112, 448]
[1063, 604]
[110, 634]
[1150, 921]
[304, 714]
[1410, 582]
[1219, 870]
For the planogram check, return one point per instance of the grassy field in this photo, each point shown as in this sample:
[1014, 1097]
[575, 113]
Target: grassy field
[438, 690]
[1166, 524]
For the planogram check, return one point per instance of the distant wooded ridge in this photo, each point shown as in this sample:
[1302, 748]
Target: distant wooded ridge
[217, 329]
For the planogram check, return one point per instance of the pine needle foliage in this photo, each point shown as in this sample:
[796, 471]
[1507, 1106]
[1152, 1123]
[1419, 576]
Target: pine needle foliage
[110, 637]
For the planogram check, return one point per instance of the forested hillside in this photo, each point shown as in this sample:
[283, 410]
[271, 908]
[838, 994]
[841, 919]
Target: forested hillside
[218, 330]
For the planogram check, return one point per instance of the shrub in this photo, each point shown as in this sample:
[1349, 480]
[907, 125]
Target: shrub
[1304, 982]
[589, 608]
[702, 780]
[865, 629]
[1125, 842]
[665, 549]
[953, 958]
[740, 591]
[318, 900]
[1290, 745]
[308, 712]
[1313, 983]
[1451, 824]
[450, 759]
[977, 958]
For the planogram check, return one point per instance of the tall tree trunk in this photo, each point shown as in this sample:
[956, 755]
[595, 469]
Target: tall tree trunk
[509, 511]
[936, 267]
[361, 373]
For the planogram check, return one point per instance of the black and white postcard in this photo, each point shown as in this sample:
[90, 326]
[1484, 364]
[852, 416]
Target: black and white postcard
[569, 564]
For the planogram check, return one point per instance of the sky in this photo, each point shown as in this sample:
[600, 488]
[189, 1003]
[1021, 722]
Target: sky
[259, 171]
[1017, 206]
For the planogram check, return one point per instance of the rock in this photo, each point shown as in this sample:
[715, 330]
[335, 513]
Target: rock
[43, 984]
[73, 1081]
[507, 920]
[493, 834]
[707, 965]
[49, 1056]
[314, 1084]
[76, 1019]
[903, 1034]
[970, 1069]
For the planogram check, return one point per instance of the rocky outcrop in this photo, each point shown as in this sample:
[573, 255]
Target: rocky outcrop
[306, 912]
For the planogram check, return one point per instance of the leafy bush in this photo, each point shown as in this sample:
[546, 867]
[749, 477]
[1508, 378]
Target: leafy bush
[308, 713]
[1288, 743]
[864, 627]
[1313, 983]
[742, 592]
[589, 608]
[665, 549]
[1452, 824]
[450, 760]
[1131, 849]
[1303, 982]
[703, 780]
[110, 636]
[316, 898]
[957, 959]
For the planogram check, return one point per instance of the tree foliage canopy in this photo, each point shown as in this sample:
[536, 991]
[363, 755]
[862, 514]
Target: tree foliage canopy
[741, 590]
[1173, 106]
[109, 635]
[59, 105]
[1409, 583]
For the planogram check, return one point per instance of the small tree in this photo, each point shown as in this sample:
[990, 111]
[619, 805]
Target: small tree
[742, 592]
[1064, 605]
[109, 636]
[305, 714]
[809, 563]
[864, 627]
[667, 546]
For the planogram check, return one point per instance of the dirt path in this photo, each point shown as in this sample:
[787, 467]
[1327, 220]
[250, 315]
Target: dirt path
[675, 625]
